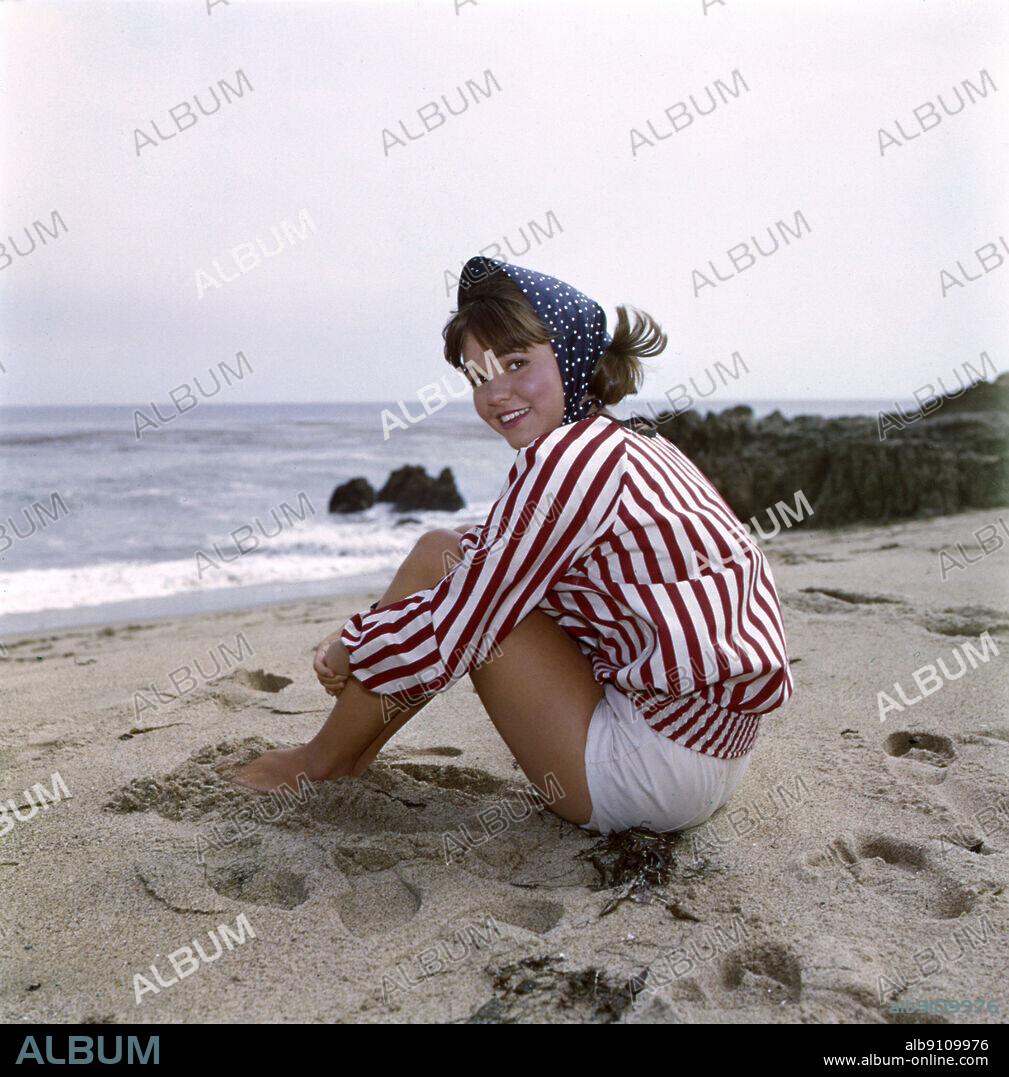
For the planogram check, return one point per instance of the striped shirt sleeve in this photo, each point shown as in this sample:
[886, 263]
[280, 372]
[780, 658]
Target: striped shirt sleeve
[472, 539]
[561, 496]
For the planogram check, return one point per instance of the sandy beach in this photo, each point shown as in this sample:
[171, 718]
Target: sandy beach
[858, 858]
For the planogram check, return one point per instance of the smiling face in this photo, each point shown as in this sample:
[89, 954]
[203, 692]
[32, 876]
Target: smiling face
[527, 394]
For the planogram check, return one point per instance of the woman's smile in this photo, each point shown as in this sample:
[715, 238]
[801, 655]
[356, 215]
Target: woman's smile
[510, 418]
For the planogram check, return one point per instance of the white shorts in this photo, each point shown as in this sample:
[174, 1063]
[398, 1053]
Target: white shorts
[640, 778]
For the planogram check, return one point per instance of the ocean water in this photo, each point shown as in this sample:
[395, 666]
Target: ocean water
[143, 526]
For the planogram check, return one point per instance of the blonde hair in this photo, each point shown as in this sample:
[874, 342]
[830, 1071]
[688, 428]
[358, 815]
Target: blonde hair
[494, 311]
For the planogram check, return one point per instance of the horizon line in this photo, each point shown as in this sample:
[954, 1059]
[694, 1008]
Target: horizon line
[458, 403]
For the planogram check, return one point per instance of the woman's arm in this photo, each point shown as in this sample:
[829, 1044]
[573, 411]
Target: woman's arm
[331, 657]
[430, 639]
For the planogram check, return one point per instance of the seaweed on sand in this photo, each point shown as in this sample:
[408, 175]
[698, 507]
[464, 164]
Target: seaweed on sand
[636, 861]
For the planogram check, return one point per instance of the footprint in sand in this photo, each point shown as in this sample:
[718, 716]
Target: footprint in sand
[378, 903]
[376, 886]
[258, 880]
[258, 870]
[528, 913]
[924, 756]
[259, 680]
[966, 621]
[768, 971]
[172, 877]
[904, 875]
[242, 688]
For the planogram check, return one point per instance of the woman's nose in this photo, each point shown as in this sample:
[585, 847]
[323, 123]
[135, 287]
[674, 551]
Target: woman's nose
[497, 390]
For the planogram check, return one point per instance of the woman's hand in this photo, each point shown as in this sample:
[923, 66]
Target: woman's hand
[332, 664]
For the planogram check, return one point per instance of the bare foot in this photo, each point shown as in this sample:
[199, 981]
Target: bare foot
[281, 766]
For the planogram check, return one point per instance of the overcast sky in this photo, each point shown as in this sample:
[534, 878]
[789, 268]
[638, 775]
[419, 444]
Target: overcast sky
[111, 311]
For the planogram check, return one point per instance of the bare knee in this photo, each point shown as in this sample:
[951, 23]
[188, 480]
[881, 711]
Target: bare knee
[436, 552]
[437, 539]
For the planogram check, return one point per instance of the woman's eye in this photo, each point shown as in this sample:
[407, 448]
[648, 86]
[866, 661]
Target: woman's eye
[476, 379]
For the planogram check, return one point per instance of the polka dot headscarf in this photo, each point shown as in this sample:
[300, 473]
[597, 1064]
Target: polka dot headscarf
[577, 325]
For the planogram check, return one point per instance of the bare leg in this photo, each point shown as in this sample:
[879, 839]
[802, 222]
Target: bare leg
[539, 691]
[540, 694]
[537, 688]
[357, 720]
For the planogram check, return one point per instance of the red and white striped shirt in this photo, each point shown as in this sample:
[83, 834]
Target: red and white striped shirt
[628, 546]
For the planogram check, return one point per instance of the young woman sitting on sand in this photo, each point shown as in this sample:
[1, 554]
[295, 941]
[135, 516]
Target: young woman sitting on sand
[619, 626]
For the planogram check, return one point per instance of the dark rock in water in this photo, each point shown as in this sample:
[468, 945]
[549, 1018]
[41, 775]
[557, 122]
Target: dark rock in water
[411, 488]
[407, 520]
[951, 457]
[353, 496]
[445, 491]
[399, 480]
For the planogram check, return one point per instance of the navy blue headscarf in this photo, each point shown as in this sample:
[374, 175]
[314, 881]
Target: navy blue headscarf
[577, 324]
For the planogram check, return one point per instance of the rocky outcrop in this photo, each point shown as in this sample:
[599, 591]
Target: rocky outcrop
[411, 488]
[879, 468]
[408, 488]
[353, 496]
